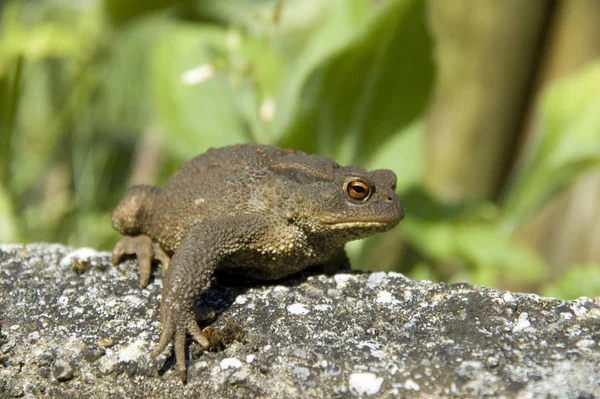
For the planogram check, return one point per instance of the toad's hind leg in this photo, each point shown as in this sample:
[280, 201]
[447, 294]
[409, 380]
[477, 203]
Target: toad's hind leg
[145, 250]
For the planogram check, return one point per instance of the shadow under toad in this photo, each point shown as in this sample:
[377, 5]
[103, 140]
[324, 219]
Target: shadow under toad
[224, 288]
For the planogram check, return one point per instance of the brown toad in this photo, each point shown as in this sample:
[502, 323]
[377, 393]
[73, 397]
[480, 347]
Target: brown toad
[258, 210]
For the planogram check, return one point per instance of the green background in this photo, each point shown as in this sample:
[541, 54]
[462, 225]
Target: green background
[455, 97]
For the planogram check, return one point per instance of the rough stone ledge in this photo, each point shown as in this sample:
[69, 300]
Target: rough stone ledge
[87, 335]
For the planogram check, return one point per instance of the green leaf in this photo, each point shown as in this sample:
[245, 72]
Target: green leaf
[471, 235]
[8, 222]
[579, 280]
[122, 101]
[495, 256]
[567, 146]
[37, 117]
[286, 24]
[40, 31]
[365, 74]
[123, 11]
[195, 116]
[484, 248]
[208, 84]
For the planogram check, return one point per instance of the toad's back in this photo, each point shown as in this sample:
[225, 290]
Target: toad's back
[226, 181]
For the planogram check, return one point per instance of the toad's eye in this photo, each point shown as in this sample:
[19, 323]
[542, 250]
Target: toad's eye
[358, 190]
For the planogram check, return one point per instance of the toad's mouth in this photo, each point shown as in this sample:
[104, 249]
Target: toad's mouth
[383, 221]
[362, 223]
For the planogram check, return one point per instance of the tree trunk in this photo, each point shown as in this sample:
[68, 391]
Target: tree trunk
[485, 52]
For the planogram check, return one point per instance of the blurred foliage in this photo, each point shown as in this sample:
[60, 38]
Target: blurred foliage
[82, 82]
[568, 144]
[579, 279]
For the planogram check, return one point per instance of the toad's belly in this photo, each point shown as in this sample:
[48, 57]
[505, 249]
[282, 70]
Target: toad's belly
[269, 266]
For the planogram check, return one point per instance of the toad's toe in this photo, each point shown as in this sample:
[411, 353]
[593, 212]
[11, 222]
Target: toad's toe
[160, 255]
[145, 250]
[175, 329]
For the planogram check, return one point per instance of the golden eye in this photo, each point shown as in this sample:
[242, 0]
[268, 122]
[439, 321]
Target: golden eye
[358, 190]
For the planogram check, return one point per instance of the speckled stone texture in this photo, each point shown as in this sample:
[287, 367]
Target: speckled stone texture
[72, 326]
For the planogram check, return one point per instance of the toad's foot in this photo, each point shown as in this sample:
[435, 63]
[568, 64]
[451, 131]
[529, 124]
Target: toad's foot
[145, 250]
[175, 327]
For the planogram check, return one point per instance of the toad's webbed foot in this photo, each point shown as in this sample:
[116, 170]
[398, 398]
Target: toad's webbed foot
[145, 250]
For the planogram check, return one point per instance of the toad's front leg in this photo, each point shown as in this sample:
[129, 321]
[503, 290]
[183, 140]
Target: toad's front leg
[202, 250]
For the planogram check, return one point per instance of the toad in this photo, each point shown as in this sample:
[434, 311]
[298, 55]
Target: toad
[257, 210]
